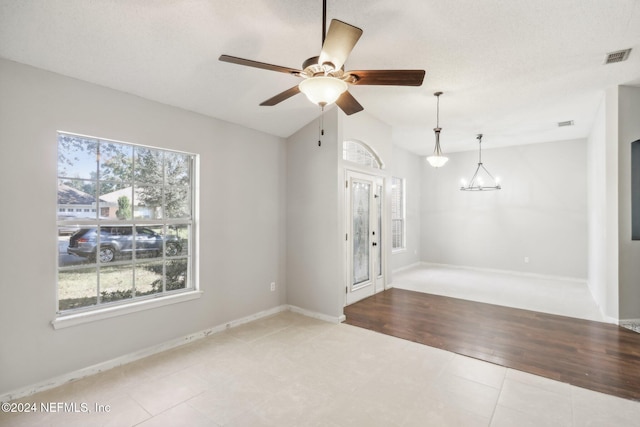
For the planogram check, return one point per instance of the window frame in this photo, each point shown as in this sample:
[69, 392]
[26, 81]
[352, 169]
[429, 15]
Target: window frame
[402, 218]
[102, 310]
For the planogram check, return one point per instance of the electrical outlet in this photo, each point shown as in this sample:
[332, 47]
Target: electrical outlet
[526, 260]
[273, 286]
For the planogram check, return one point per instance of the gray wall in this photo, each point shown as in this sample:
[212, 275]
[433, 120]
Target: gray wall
[540, 213]
[314, 273]
[629, 250]
[408, 166]
[242, 233]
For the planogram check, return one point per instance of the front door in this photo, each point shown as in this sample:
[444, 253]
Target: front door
[364, 237]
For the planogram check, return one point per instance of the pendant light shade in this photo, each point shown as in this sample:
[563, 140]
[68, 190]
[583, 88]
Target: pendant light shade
[482, 180]
[437, 159]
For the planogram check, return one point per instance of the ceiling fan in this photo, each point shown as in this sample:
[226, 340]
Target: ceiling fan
[324, 79]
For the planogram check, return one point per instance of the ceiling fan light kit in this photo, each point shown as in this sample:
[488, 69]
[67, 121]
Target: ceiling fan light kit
[322, 90]
[324, 79]
[477, 182]
[437, 159]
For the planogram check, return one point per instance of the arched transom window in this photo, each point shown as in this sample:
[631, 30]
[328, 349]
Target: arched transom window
[360, 153]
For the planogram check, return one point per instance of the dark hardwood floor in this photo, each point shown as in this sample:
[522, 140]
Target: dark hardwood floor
[593, 355]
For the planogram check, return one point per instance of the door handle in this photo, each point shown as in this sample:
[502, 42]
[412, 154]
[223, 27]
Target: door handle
[375, 244]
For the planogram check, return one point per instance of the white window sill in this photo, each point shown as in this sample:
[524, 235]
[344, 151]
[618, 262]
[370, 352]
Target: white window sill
[66, 321]
[398, 251]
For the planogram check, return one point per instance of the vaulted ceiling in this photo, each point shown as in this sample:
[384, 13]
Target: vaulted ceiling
[509, 69]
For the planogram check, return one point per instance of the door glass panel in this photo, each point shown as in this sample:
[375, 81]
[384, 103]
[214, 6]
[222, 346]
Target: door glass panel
[379, 230]
[361, 232]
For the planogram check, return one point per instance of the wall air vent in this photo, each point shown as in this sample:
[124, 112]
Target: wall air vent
[618, 56]
[567, 123]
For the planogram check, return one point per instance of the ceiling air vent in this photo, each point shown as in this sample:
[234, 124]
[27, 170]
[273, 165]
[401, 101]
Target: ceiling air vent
[618, 56]
[567, 123]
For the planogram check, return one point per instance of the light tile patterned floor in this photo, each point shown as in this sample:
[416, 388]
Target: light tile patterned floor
[290, 370]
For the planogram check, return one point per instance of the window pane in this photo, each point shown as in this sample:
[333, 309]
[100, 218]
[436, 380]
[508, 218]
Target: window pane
[149, 241]
[77, 157]
[358, 153]
[147, 202]
[76, 197]
[177, 202]
[176, 273]
[397, 213]
[66, 255]
[148, 169]
[149, 278]
[635, 190]
[116, 283]
[77, 288]
[113, 199]
[116, 162]
[178, 235]
[177, 168]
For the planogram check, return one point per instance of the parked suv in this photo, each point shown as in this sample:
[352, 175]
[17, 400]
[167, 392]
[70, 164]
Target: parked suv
[119, 240]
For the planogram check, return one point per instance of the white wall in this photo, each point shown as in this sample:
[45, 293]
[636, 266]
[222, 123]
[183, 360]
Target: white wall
[409, 166]
[368, 129]
[597, 213]
[540, 213]
[242, 234]
[629, 250]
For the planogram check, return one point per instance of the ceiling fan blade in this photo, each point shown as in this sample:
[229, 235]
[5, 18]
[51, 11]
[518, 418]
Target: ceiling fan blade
[281, 97]
[348, 104]
[256, 64]
[387, 77]
[340, 40]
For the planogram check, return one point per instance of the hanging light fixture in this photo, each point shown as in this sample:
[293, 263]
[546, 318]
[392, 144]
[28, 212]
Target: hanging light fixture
[477, 182]
[437, 159]
[322, 90]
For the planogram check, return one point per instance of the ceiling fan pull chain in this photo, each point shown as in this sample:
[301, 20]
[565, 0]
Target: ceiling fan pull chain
[321, 126]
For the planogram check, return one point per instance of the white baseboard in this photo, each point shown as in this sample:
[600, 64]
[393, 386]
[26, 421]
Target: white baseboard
[406, 267]
[627, 321]
[510, 272]
[131, 357]
[316, 315]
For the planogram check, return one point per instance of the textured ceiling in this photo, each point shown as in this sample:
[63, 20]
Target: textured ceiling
[508, 69]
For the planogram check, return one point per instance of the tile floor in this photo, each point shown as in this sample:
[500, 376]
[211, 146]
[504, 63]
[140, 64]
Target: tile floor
[291, 370]
[553, 296]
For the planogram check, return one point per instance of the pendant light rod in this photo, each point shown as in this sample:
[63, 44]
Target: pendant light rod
[437, 159]
[437, 95]
[476, 183]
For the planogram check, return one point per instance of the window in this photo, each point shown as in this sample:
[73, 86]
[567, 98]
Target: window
[635, 190]
[358, 152]
[130, 233]
[397, 214]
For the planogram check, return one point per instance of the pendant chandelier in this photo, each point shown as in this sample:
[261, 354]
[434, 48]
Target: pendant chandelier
[477, 182]
[437, 159]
